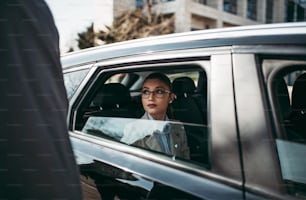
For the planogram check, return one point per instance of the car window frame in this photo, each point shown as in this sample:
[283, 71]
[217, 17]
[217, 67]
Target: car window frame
[288, 64]
[218, 55]
[110, 72]
[272, 186]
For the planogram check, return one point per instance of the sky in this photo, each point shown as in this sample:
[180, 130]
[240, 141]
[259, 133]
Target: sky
[74, 16]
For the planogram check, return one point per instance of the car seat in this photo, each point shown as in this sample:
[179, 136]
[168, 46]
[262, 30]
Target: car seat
[186, 109]
[283, 107]
[113, 100]
[298, 114]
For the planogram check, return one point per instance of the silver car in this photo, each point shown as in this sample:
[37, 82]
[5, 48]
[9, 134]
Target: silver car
[240, 96]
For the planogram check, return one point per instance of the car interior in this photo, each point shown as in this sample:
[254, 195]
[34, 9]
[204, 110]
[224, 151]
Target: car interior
[117, 96]
[288, 87]
[291, 103]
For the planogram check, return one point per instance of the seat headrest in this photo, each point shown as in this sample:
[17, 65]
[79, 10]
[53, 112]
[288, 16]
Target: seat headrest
[112, 94]
[283, 97]
[299, 93]
[183, 85]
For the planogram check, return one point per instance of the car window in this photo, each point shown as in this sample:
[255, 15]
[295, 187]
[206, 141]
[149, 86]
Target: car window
[288, 86]
[114, 111]
[132, 131]
[293, 162]
[73, 80]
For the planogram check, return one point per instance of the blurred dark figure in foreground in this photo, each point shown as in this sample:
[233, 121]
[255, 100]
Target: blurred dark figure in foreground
[36, 158]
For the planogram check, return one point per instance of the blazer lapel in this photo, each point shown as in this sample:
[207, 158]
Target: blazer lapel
[153, 143]
[175, 138]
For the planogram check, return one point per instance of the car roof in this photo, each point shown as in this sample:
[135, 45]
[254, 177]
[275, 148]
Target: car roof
[264, 34]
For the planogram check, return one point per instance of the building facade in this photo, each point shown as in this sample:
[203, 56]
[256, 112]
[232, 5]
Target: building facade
[206, 14]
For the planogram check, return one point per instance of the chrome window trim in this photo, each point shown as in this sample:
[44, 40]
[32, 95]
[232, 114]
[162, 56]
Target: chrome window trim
[269, 49]
[76, 68]
[166, 55]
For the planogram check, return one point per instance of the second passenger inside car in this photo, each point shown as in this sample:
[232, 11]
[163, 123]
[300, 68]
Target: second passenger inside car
[156, 99]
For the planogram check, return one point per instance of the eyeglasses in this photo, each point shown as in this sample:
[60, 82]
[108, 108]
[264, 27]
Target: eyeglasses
[158, 93]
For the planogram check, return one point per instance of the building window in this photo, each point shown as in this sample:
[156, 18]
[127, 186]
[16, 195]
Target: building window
[154, 2]
[269, 11]
[296, 12]
[290, 11]
[252, 9]
[204, 2]
[230, 6]
[139, 4]
[300, 13]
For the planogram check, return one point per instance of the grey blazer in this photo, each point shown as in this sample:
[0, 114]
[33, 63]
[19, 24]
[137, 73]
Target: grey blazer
[178, 140]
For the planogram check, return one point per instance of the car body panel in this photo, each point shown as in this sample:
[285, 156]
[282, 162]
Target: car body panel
[254, 123]
[168, 174]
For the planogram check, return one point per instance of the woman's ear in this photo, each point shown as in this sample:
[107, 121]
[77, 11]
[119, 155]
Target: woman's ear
[171, 97]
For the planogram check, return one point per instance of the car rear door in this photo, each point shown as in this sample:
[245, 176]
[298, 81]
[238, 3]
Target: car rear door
[112, 168]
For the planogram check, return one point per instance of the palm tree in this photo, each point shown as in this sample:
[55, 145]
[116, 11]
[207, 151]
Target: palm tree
[129, 25]
[137, 24]
[86, 39]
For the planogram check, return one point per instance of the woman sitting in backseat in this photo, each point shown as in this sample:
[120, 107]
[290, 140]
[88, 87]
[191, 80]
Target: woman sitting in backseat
[171, 137]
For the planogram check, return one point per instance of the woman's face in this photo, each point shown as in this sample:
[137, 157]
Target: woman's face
[156, 103]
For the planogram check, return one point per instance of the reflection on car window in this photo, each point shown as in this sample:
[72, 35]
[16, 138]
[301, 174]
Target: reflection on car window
[126, 130]
[106, 127]
[133, 131]
[293, 161]
[73, 80]
[140, 128]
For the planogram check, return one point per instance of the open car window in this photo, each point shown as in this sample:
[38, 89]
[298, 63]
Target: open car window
[112, 109]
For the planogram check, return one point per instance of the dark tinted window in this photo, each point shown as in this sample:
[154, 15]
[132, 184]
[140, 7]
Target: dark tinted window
[230, 6]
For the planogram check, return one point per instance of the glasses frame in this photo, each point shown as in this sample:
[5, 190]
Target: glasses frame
[154, 93]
